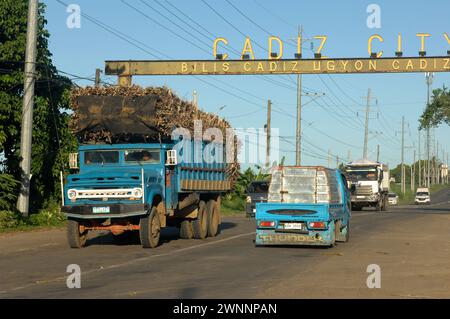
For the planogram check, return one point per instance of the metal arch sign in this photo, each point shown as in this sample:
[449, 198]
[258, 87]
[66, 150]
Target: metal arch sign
[281, 66]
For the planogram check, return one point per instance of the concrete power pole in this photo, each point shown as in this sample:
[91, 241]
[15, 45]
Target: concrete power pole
[366, 132]
[429, 79]
[298, 135]
[97, 78]
[420, 165]
[329, 158]
[378, 152]
[402, 157]
[269, 110]
[23, 202]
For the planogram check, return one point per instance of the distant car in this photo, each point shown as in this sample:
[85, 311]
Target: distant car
[256, 193]
[393, 198]
[422, 196]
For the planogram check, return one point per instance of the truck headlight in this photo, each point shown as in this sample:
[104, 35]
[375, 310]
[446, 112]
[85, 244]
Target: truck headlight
[137, 192]
[248, 199]
[72, 194]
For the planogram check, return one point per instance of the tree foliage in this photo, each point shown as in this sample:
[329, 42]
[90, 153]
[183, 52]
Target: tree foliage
[438, 111]
[51, 139]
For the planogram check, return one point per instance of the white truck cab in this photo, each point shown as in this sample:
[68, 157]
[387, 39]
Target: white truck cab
[422, 196]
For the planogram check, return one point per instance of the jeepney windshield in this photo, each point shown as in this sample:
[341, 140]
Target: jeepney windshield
[147, 156]
[101, 157]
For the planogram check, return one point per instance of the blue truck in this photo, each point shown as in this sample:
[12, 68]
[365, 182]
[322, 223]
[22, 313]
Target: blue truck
[142, 188]
[306, 206]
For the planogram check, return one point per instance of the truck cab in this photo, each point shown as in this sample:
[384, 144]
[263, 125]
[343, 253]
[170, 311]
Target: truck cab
[306, 206]
[142, 188]
[369, 184]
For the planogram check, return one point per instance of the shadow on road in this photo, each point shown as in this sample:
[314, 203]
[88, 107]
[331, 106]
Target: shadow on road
[132, 238]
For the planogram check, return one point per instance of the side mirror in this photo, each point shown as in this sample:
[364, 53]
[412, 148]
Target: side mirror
[73, 160]
[171, 158]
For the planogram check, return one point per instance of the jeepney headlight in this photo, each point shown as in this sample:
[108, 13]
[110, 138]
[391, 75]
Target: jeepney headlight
[248, 199]
[72, 194]
[137, 192]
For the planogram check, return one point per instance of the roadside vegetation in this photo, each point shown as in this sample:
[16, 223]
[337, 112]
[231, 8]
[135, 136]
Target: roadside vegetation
[233, 203]
[408, 197]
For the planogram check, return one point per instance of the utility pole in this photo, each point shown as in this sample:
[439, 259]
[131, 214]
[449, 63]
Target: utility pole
[420, 165]
[329, 158]
[402, 157]
[195, 100]
[349, 156]
[437, 163]
[378, 152]
[337, 161]
[97, 78]
[429, 79]
[23, 202]
[366, 132]
[413, 172]
[298, 137]
[269, 109]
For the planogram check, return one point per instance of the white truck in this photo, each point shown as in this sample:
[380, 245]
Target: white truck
[368, 183]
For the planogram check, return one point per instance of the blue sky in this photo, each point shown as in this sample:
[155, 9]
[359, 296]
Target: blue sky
[332, 122]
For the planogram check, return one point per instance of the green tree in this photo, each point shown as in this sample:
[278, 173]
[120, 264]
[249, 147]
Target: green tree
[52, 140]
[438, 111]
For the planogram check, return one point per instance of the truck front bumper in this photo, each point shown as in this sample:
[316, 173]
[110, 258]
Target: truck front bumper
[115, 211]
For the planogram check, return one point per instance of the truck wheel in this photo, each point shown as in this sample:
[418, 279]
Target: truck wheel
[75, 238]
[213, 213]
[186, 230]
[200, 224]
[150, 229]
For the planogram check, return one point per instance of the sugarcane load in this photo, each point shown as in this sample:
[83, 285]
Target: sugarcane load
[144, 164]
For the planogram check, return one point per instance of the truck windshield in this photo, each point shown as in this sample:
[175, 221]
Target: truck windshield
[101, 157]
[355, 176]
[422, 194]
[145, 155]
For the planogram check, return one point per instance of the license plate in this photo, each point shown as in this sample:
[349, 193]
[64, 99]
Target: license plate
[293, 226]
[97, 210]
[360, 196]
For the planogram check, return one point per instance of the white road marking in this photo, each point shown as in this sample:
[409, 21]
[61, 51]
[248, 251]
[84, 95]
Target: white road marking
[37, 282]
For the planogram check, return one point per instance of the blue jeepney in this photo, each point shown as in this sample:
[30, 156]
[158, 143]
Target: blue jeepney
[306, 206]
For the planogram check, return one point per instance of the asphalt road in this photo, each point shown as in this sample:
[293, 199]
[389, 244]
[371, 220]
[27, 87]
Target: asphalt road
[409, 243]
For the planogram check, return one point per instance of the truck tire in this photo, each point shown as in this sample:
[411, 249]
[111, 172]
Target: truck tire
[200, 224]
[150, 229]
[186, 230]
[74, 237]
[213, 214]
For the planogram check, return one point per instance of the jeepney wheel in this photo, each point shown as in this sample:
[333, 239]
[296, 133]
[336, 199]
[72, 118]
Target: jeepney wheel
[76, 236]
[186, 231]
[200, 224]
[213, 213]
[150, 229]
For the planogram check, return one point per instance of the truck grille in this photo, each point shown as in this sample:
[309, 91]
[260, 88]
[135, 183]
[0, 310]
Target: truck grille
[364, 190]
